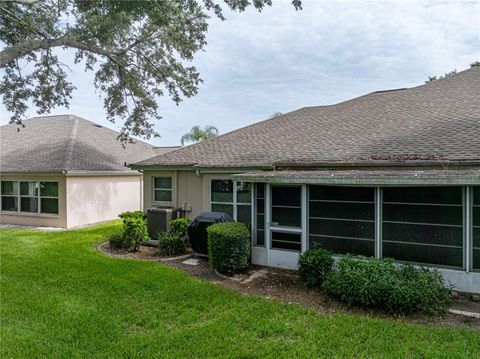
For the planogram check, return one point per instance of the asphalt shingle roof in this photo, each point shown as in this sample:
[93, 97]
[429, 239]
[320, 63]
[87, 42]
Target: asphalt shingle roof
[439, 120]
[66, 143]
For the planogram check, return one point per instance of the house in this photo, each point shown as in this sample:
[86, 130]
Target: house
[65, 171]
[390, 174]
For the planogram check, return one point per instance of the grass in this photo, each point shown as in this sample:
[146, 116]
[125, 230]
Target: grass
[61, 298]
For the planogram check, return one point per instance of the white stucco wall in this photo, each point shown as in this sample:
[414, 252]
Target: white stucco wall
[92, 199]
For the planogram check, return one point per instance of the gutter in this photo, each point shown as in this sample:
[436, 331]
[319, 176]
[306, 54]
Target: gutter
[101, 173]
[339, 179]
[378, 163]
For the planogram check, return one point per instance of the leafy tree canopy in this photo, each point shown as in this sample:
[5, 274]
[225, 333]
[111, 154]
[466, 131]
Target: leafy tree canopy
[198, 134]
[138, 50]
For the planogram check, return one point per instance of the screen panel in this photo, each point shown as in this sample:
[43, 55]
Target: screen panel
[476, 228]
[342, 219]
[423, 225]
[291, 241]
[286, 206]
[260, 213]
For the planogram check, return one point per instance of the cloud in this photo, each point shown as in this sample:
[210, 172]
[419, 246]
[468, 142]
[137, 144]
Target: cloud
[256, 64]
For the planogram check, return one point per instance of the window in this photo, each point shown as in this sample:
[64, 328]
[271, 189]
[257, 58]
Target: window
[30, 196]
[9, 195]
[162, 189]
[476, 228]
[221, 196]
[48, 197]
[237, 203]
[423, 225]
[342, 219]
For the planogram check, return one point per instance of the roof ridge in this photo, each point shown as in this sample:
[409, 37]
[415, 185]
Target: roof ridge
[109, 129]
[71, 144]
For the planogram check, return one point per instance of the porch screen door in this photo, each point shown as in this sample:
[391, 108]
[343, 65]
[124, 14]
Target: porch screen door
[285, 225]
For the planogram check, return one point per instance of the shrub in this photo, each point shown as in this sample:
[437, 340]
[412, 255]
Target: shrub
[170, 244]
[400, 289]
[314, 265]
[135, 214]
[419, 289]
[116, 241]
[134, 232]
[229, 247]
[179, 226]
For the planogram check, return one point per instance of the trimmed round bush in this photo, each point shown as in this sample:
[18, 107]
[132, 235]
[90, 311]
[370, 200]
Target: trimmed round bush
[170, 244]
[134, 232]
[116, 241]
[314, 265]
[229, 247]
[134, 214]
[180, 226]
[400, 289]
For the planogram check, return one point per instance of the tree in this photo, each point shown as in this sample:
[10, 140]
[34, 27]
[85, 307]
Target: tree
[197, 134]
[138, 50]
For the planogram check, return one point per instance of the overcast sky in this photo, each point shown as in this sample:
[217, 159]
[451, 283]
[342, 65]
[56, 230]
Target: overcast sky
[279, 60]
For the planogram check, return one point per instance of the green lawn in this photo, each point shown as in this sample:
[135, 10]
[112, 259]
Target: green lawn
[61, 298]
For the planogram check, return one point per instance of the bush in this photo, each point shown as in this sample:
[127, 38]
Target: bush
[179, 226]
[134, 232]
[170, 244]
[116, 241]
[314, 265]
[229, 247]
[135, 214]
[400, 289]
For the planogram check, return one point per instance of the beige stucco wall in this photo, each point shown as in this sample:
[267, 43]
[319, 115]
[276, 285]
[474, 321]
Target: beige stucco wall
[36, 219]
[92, 199]
[190, 190]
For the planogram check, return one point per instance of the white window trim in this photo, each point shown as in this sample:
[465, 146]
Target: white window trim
[39, 198]
[168, 203]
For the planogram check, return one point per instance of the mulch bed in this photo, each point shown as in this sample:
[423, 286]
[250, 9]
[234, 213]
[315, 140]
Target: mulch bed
[285, 285]
[144, 252]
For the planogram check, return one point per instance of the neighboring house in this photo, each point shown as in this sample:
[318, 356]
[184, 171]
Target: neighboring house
[389, 174]
[65, 171]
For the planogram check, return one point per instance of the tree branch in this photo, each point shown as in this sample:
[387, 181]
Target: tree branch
[27, 2]
[18, 51]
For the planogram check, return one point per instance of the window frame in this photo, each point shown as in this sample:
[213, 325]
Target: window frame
[38, 197]
[154, 190]
[234, 202]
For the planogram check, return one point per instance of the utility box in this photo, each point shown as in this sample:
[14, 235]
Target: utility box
[158, 220]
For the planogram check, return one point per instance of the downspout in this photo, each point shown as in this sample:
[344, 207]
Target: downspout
[141, 190]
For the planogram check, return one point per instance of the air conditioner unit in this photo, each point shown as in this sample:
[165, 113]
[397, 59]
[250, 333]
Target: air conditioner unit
[158, 220]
